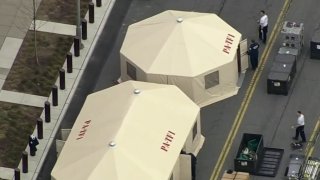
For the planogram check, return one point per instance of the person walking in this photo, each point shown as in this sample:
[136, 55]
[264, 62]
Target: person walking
[253, 52]
[263, 26]
[300, 127]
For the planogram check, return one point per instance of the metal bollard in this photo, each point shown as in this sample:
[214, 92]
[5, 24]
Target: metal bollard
[16, 174]
[91, 12]
[40, 128]
[54, 95]
[98, 2]
[69, 62]
[25, 162]
[47, 112]
[84, 29]
[76, 46]
[62, 79]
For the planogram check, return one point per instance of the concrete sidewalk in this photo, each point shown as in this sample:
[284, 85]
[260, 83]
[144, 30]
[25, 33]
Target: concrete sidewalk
[15, 18]
[10, 47]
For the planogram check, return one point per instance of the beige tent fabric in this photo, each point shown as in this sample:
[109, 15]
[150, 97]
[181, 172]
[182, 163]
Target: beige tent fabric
[182, 48]
[147, 131]
[161, 45]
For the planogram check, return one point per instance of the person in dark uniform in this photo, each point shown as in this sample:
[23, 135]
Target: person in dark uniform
[253, 52]
[33, 142]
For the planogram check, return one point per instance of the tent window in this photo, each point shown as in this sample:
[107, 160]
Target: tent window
[211, 79]
[194, 131]
[131, 71]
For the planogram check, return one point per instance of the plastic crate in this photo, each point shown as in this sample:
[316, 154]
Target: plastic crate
[292, 31]
[292, 44]
[311, 169]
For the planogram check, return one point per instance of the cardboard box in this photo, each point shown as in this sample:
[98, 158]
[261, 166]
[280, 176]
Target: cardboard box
[227, 176]
[243, 173]
[242, 176]
[236, 176]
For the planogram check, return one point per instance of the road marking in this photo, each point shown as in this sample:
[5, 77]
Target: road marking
[310, 147]
[249, 92]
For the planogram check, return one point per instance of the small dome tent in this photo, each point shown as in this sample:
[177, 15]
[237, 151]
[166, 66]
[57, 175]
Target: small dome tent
[195, 51]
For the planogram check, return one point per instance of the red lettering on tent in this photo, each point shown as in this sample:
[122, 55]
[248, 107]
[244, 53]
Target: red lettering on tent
[227, 49]
[230, 35]
[83, 129]
[164, 148]
[167, 141]
[81, 133]
[227, 43]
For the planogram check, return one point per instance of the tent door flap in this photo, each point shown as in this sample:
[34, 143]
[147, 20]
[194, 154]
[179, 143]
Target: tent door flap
[242, 56]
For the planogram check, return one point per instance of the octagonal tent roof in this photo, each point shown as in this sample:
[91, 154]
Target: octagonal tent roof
[134, 130]
[180, 43]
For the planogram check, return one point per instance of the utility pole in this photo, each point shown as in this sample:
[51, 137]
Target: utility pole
[78, 31]
[34, 31]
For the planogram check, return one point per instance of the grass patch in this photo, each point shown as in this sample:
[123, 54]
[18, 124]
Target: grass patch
[26, 75]
[17, 122]
[62, 11]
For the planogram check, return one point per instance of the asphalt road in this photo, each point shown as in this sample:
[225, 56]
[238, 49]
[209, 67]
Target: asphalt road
[272, 115]
[269, 115]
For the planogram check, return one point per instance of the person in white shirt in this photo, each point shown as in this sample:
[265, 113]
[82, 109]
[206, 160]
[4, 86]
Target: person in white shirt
[263, 26]
[300, 127]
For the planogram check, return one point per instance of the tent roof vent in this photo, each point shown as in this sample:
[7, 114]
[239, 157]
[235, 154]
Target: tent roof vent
[112, 144]
[179, 20]
[136, 91]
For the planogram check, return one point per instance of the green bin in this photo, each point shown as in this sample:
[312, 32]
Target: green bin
[249, 151]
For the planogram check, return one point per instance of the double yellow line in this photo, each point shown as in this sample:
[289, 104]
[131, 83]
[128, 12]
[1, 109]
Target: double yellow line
[247, 98]
[310, 147]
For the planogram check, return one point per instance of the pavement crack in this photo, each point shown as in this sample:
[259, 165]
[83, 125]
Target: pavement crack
[221, 7]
